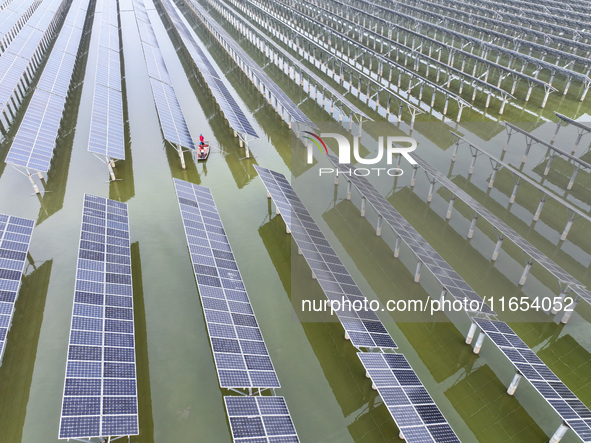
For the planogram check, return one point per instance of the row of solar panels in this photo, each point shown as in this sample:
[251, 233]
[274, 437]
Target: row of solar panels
[228, 104]
[15, 237]
[240, 354]
[569, 407]
[412, 408]
[22, 57]
[508, 232]
[106, 127]
[290, 107]
[100, 389]
[35, 140]
[172, 121]
[13, 19]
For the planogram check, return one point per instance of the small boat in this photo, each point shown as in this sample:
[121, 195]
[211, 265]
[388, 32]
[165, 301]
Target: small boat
[202, 151]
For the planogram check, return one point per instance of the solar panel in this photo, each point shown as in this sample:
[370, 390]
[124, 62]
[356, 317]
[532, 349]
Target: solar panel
[106, 127]
[260, 420]
[19, 61]
[171, 117]
[108, 71]
[442, 271]
[412, 408]
[109, 37]
[572, 410]
[155, 63]
[295, 62]
[240, 353]
[228, 104]
[55, 78]
[35, 140]
[13, 19]
[15, 237]
[172, 121]
[506, 230]
[106, 135]
[363, 326]
[290, 107]
[100, 390]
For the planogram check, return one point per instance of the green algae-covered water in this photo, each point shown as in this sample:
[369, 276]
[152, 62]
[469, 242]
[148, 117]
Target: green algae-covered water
[322, 379]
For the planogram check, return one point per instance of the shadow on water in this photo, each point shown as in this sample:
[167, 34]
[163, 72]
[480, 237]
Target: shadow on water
[370, 419]
[16, 372]
[141, 351]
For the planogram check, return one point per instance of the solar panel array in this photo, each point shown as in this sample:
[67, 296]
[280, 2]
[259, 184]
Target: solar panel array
[290, 107]
[12, 21]
[100, 391]
[507, 231]
[21, 59]
[529, 136]
[412, 408]
[260, 420]
[524, 359]
[295, 62]
[572, 410]
[35, 140]
[240, 353]
[228, 104]
[442, 271]
[15, 237]
[363, 326]
[174, 126]
[106, 125]
[391, 373]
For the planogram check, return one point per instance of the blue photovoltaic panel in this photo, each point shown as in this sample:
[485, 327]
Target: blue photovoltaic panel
[15, 237]
[172, 120]
[155, 63]
[108, 72]
[106, 135]
[412, 408]
[106, 127]
[290, 107]
[174, 126]
[109, 33]
[240, 353]
[55, 78]
[13, 19]
[363, 326]
[507, 231]
[442, 271]
[572, 410]
[35, 140]
[228, 104]
[19, 60]
[260, 419]
[100, 391]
